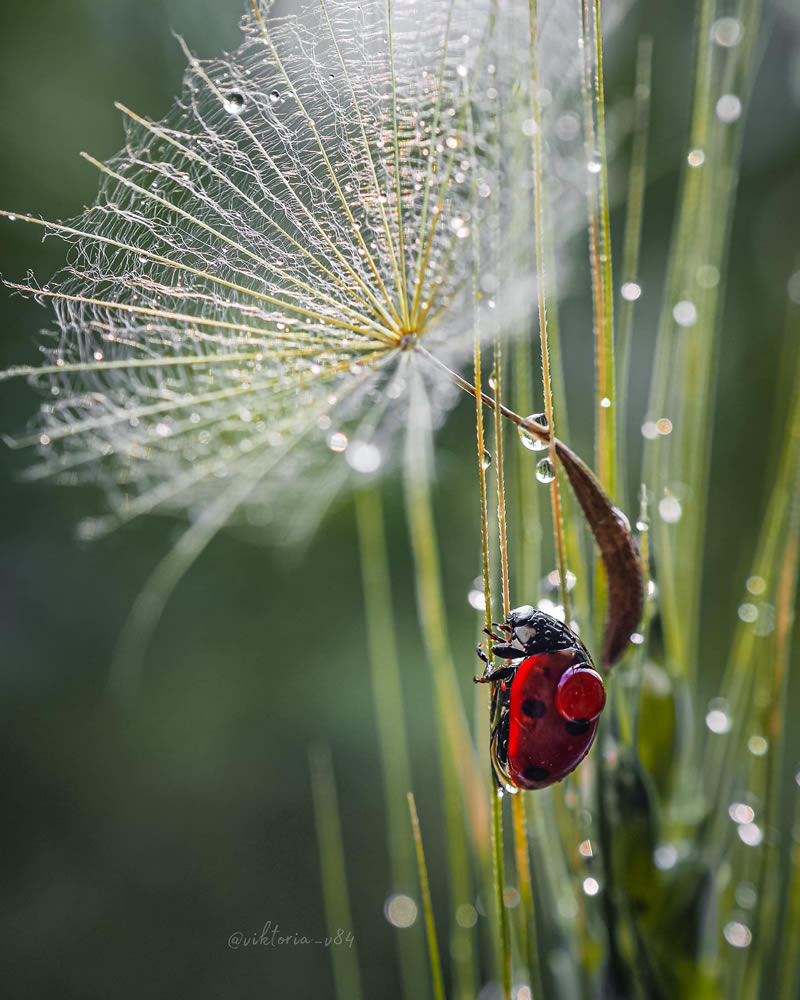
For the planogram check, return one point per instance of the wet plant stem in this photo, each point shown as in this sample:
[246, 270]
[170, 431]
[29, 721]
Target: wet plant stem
[498, 864]
[536, 144]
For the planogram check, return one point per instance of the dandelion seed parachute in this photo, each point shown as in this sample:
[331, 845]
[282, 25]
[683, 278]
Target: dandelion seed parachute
[237, 318]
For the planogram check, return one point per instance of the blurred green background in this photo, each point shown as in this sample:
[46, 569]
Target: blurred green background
[137, 840]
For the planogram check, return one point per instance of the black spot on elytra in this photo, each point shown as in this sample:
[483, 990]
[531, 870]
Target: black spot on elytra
[534, 708]
[536, 773]
[576, 728]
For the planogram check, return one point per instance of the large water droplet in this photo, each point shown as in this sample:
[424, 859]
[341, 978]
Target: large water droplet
[234, 102]
[530, 441]
[591, 886]
[545, 472]
[486, 458]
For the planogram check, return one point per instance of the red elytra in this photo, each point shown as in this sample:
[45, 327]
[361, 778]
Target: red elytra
[545, 745]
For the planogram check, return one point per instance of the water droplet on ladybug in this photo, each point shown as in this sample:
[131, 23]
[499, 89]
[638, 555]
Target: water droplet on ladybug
[581, 695]
[545, 472]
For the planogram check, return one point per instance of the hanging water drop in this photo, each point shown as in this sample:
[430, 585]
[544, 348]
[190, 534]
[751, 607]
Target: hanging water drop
[531, 441]
[545, 472]
[486, 459]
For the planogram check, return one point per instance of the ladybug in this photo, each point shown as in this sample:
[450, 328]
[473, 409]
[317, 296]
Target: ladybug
[546, 703]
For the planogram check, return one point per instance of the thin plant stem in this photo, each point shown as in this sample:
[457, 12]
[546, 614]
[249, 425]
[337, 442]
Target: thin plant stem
[632, 241]
[391, 722]
[456, 754]
[427, 905]
[558, 532]
[334, 882]
[498, 863]
[527, 910]
[519, 827]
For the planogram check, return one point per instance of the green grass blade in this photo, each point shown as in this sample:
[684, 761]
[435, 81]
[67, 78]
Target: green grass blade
[391, 722]
[334, 882]
[632, 241]
[427, 905]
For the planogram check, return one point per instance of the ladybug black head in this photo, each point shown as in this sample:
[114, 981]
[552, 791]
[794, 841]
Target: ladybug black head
[537, 632]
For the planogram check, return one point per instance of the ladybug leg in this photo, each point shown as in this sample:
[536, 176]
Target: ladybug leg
[481, 654]
[505, 651]
[494, 635]
[492, 673]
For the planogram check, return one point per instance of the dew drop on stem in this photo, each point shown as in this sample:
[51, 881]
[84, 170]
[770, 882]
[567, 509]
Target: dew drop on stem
[531, 442]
